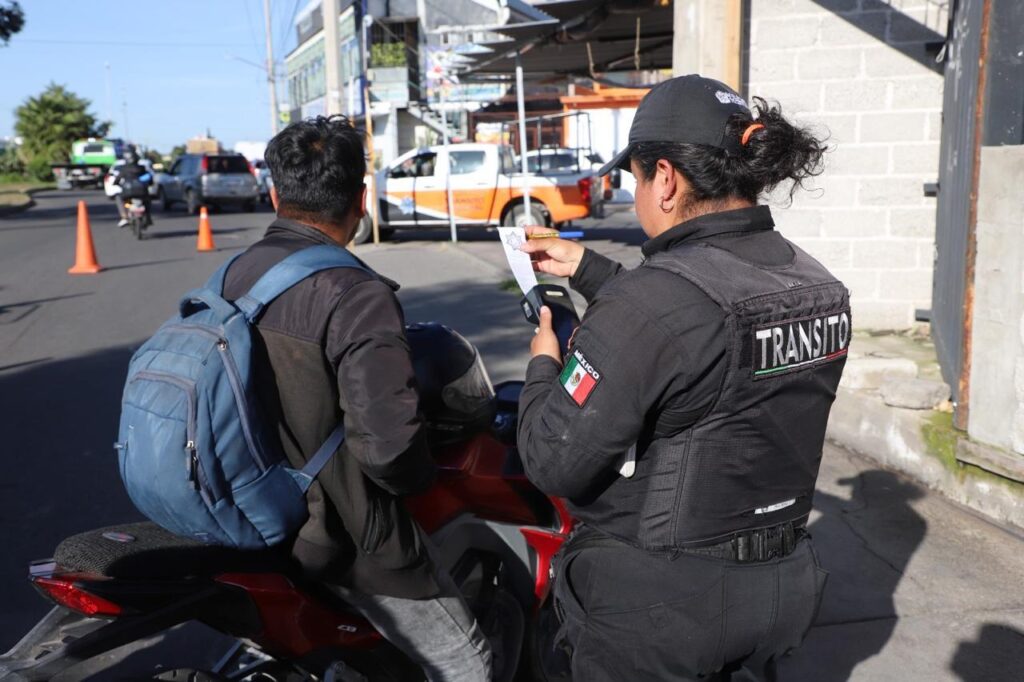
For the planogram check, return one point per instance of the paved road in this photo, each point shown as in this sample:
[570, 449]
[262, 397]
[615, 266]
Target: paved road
[920, 589]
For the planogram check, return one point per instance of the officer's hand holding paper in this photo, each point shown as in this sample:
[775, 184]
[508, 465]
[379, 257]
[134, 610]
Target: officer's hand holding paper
[558, 257]
[562, 258]
[563, 317]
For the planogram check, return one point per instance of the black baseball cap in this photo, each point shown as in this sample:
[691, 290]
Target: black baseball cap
[686, 109]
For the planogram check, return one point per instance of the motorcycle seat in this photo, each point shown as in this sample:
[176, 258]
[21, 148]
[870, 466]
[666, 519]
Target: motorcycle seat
[145, 550]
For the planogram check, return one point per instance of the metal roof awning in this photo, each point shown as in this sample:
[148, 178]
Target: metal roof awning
[581, 38]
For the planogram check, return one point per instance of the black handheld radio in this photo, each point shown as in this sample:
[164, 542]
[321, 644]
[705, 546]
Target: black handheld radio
[564, 319]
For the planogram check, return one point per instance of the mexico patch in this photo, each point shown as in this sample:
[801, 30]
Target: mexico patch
[579, 378]
[800, 344]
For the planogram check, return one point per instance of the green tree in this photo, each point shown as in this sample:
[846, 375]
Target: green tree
[176, 151]
[12, 20]
[50, 122]
[10, 164]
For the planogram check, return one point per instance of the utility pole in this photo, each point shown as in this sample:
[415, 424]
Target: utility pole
[110, 106]
[706, 39]
[332, 56]
[271, 80]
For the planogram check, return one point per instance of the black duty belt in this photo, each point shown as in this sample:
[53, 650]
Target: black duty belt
[762, 544]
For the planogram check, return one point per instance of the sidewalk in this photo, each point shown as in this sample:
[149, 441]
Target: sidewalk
[884, 409]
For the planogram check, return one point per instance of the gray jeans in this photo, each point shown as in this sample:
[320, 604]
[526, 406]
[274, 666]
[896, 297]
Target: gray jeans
[439, 634]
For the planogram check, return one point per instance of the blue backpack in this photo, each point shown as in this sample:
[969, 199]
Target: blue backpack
[193, 452]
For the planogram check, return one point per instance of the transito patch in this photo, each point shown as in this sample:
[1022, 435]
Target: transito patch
[794, 345]
[579, 378]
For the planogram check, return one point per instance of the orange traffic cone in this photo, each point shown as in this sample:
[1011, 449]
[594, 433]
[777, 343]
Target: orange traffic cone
[85, 254]
[205, 241]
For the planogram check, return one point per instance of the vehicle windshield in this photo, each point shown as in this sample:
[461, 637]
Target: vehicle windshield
[227, 164]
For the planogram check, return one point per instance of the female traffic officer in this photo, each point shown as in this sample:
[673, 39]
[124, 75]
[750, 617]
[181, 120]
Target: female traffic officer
[685, 423]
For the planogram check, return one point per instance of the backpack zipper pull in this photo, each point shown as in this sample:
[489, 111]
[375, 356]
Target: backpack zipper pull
[192, 463]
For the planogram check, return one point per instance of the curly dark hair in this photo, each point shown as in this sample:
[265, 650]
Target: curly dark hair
[318, 167]
[777, 153]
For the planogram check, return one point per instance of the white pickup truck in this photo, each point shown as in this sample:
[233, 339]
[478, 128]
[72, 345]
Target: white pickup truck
[487, 190]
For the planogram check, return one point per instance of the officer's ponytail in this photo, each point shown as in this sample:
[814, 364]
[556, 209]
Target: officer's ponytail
[775, 151]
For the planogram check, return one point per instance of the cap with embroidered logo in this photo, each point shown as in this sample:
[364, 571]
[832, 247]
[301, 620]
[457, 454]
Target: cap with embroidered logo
[688, 110]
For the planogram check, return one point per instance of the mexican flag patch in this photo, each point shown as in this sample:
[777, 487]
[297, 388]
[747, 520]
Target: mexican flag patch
[579, 378]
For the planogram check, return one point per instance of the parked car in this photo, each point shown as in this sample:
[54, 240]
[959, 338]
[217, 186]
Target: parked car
[212, 180]
[263, 180]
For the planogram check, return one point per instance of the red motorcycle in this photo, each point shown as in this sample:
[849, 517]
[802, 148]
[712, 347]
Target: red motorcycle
[496, 533]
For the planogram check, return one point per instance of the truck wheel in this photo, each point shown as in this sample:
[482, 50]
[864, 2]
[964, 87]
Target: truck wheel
[191, 202]
[517, 217]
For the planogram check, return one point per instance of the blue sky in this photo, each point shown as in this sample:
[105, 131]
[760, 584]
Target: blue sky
[175, 63]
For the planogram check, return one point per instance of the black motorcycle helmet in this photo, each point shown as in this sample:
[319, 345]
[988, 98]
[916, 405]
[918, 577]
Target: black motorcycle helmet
[131, 155]
[456, 395]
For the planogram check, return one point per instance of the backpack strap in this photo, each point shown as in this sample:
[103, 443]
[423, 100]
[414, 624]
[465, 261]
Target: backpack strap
[290, 272]
[216, 281]
[275, 282]
[318, 461]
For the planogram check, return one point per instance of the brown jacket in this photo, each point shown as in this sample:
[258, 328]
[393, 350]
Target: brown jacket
[333, 347]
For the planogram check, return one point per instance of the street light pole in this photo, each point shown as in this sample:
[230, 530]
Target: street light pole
[448, 161]
[521, 103]
[270, 68]
[367, 21]
[110, 106]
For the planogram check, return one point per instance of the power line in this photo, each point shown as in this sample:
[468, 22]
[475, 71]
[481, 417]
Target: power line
[287, 26]
[121, 43]
[252, 32]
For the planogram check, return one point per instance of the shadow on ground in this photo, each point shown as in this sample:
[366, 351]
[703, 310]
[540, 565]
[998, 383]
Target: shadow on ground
[156, 234]
[865, 543]
[997, 650]
[60, 423]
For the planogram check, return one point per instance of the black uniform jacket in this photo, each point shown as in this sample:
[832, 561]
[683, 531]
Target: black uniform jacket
[653, 345]
[332, 347]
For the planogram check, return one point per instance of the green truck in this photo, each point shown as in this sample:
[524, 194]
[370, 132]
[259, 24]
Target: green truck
[90, 160]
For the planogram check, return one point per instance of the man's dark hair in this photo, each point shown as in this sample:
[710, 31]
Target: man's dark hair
[318, 167]
[775, 153]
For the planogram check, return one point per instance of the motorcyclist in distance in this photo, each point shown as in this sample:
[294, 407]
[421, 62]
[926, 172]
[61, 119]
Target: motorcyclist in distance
[134, 179]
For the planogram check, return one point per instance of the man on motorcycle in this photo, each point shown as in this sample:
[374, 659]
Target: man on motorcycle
[333, 348]
[134, 180]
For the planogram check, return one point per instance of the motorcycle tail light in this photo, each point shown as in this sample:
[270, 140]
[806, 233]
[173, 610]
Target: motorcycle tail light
[67, 593]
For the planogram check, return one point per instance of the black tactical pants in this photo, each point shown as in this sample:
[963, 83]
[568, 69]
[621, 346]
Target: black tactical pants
[635, 616]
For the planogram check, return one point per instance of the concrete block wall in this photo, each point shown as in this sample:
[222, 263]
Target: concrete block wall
[847, 68]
